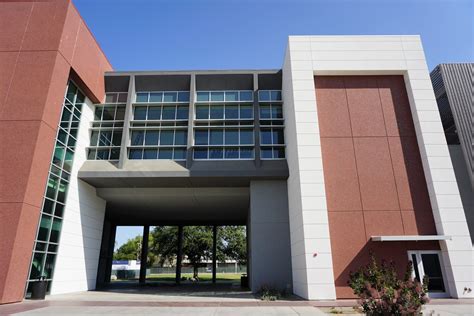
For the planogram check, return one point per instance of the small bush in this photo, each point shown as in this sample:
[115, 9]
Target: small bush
[381, 292]
[268, 293]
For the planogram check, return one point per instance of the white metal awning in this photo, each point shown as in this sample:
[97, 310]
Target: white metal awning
[410, 238]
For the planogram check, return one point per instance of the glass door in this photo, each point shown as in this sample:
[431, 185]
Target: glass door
[428, 263]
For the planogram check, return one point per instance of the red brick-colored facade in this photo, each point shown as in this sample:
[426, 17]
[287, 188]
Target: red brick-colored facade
[373, 174]
[42, 44]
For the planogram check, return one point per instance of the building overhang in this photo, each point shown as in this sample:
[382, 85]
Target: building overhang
[411, 238]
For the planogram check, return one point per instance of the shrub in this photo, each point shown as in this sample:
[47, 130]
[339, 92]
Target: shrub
[268, 293]
[381, 292]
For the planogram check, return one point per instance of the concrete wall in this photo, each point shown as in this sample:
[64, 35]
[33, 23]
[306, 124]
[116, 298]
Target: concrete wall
[269, 236]
[81, 234]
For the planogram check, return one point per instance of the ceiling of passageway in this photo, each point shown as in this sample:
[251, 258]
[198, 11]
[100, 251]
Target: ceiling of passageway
[155, 206]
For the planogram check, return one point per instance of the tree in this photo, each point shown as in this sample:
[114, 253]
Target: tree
[197, 245]
[233, 243]
[132, 249]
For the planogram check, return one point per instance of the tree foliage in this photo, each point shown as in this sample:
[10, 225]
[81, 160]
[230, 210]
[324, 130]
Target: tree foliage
[132, 249]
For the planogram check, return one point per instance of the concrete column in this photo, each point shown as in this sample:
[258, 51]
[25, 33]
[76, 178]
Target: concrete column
[192, 100]
[179, 256]
[144, 254]
[256, 120]
[214, 253]
[126, 123]
[104, 268]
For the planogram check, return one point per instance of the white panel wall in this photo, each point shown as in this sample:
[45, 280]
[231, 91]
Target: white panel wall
[81, 233]
[307, 56]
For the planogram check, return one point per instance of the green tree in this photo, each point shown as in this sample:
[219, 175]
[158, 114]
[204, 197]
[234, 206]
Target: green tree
[132, 249]
[233, 243]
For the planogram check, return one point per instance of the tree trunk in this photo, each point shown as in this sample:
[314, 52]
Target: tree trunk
[195, 271]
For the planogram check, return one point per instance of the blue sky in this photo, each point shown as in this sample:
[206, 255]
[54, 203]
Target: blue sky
[230, 34]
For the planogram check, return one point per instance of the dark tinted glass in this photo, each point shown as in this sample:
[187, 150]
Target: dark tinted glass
[166, 137]
[165, 153]
[170, 97]
[200, 153]
[156, 97]
[169, 113]
[217, 112]
[151, 137]
[201, 137]
[202, 112]
[137, 138]
[246, 137]
[139, 113]
[135, 154]
[150, 154]
[265, 112]
[278, 137]
[179, 153]
[246, 111]
[216, 137]
[231, 112]
[267, 153]
[266, 136]
[231, 153]
[216, 153]
[142, 97]
[182, 112]
[231, 137]
[180, 137]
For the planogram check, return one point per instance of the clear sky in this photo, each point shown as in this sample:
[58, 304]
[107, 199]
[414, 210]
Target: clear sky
[231, 34]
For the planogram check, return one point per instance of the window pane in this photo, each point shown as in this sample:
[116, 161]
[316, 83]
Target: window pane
[275, 95]
[37, 266]
[246, 95]
[202, 96]
[48, 206]
[49, 265]
[183, 96]
[180, 137]
[266, 136]
[135, 154]
[122, 98]
[182, 112]
[120, 114]
[277, 112]
[111, 98]
[201, 137]
[150, 153]
[279, 152]
[265, 112]
[71, 92]
[117, 140]
[62, 192]
[202, 112]
[142, 97]
[97, 113]
[217, 112]
[267, 153]
[94, 138]
[109, 114]
[217, 96]
[264, 95]
[66, 116]
[59, 209]
[166, 137]
[165, 153]
[114, 153]
[278, 137]
[200, 153]
[156, 97]
[80, 98]
[231, 112]
[232, 96]
[231, 153]
[71, 142]
[169, 113]
[169, 97]
[246, 111]
[102, 154]
[179, 153]
[45, 227]
[154, 112]
[52, 188]
[55, 230]
[58, 155]
[137, 138]
[105, 138]
[246, 153]
[140, 113]
[216, 153]
[246, 137]
[62, 136]
[91, 154]
[231, 136]
[216, 137]
[151, 138]
[432, 268]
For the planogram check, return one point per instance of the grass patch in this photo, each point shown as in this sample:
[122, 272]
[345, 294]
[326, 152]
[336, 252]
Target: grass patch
[203, 277]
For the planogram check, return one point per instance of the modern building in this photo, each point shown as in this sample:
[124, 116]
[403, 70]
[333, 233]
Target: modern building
[453, 86]
[338, 154]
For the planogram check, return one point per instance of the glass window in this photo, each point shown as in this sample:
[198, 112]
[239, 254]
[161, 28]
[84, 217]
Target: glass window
[180, 137]
[183, 96]
[246, 153]
[278, 137]
[111, 98]
[105, 138]
[275, 95]
[264, 95]
[137, 138]
[202, 112]
[166, 137]
[59, 210]
[120, 114]
[217, 112]
[216, 137]
[114, 153]
[71, 92]
[232, 96]
[279, 152]
[246, 112]
[45, 227]
[277, 112]
[80, 98]
[150, 153]
[156, 96]
[266, 136]
[200, 153]
[165, 153]
[122, 97]
[71, 142]
[432, 269]
[52, 188]
[55, 230]
[37, 266]
[154, 112]
[265, 112]
[202, 96]
[246, 137]
[231, 136]
[68, 160]
[142, 97]
[66, 116]
[62, 192]
[266, 152]
[48, 206]
[62, 136]
[232, 153]
[135, 154]
[169, 97]
[182, 112]
[151, 138]
[102, 154]
[246, 95]
[169, 113]
[216, 153]
[58, 155]
[232, 112]
[117, 138]
[139, 113]
[217, 96]
[179, 153]
[109, 114]
[91, 154]
[201, 137]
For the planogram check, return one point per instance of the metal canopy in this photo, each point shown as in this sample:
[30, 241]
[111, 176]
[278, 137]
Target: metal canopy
[410, 238]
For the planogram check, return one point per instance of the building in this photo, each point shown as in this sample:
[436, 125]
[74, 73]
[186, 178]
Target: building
[453, 84]
[338, 154]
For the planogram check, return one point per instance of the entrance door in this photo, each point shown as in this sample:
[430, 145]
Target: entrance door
[428, 263]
